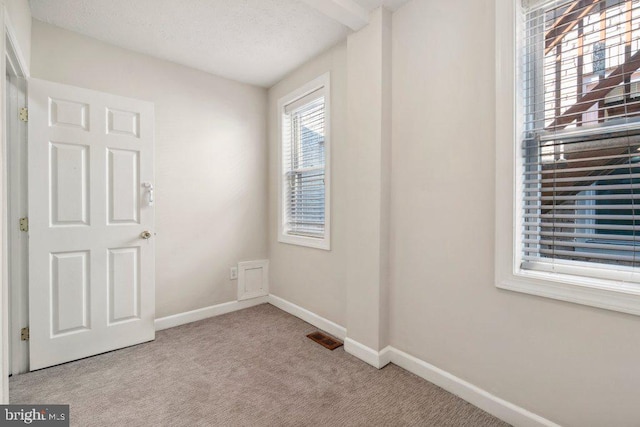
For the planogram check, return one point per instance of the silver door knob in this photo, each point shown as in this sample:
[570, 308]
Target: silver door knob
[145, 234]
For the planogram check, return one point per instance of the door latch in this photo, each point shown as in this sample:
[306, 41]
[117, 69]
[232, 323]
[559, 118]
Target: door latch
[24, 224]
[149, 187]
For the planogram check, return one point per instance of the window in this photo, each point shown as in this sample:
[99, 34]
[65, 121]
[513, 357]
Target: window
[568, 150]
[581, 143]
[304, 159]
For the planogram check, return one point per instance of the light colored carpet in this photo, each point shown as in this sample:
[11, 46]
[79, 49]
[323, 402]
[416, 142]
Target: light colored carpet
[254, 367]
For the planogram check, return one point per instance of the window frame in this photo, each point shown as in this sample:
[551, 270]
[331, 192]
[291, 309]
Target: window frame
[590, 287]
[320, 83]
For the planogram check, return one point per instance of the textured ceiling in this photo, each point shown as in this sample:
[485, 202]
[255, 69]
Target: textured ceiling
[252, 41]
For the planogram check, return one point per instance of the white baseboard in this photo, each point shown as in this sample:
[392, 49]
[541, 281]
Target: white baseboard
[500, 408]
[206, 312]
[374, 358]
[384, 356]
[361, 351]
[326, 325]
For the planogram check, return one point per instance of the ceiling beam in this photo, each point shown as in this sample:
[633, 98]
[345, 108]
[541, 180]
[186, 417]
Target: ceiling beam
[346, 12]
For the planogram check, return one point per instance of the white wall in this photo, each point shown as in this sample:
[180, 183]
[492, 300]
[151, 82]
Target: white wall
[211, 160]
[575, 365]
[313, 278]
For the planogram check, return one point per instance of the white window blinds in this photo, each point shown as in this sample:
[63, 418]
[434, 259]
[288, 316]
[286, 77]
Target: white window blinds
[303, 157]
[581, 143]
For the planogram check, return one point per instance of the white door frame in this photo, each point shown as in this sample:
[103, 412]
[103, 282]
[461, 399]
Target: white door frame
[17, 197]
[11, 61]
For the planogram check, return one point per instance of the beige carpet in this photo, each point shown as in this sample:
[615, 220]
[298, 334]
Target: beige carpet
[254, 367]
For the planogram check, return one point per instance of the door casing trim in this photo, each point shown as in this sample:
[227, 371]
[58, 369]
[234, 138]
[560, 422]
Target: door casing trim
[17, 244]
[12, 61]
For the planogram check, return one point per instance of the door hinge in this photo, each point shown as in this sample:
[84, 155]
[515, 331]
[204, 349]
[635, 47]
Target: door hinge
[24, 334]
[24, 224]
[24, 114]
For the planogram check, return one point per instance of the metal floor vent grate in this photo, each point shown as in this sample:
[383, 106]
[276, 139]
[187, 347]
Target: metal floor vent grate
[325, 340]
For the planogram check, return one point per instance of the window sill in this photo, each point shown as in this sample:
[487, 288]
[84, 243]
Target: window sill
[309, 242]
[610, 295]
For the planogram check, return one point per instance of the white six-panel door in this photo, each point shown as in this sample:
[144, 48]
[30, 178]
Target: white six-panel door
[91, 270]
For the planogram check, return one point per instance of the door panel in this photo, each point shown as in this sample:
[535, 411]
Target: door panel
[69, 166]
[68, 114]
[91, 275]
[124, 284]
[70, 292]
[123, 123]
[123, 186]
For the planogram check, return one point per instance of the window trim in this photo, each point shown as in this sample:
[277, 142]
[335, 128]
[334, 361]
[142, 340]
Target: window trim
[623, 295]
[321, 82]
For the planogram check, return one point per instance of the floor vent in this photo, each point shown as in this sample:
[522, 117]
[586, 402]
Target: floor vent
[325, 340]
